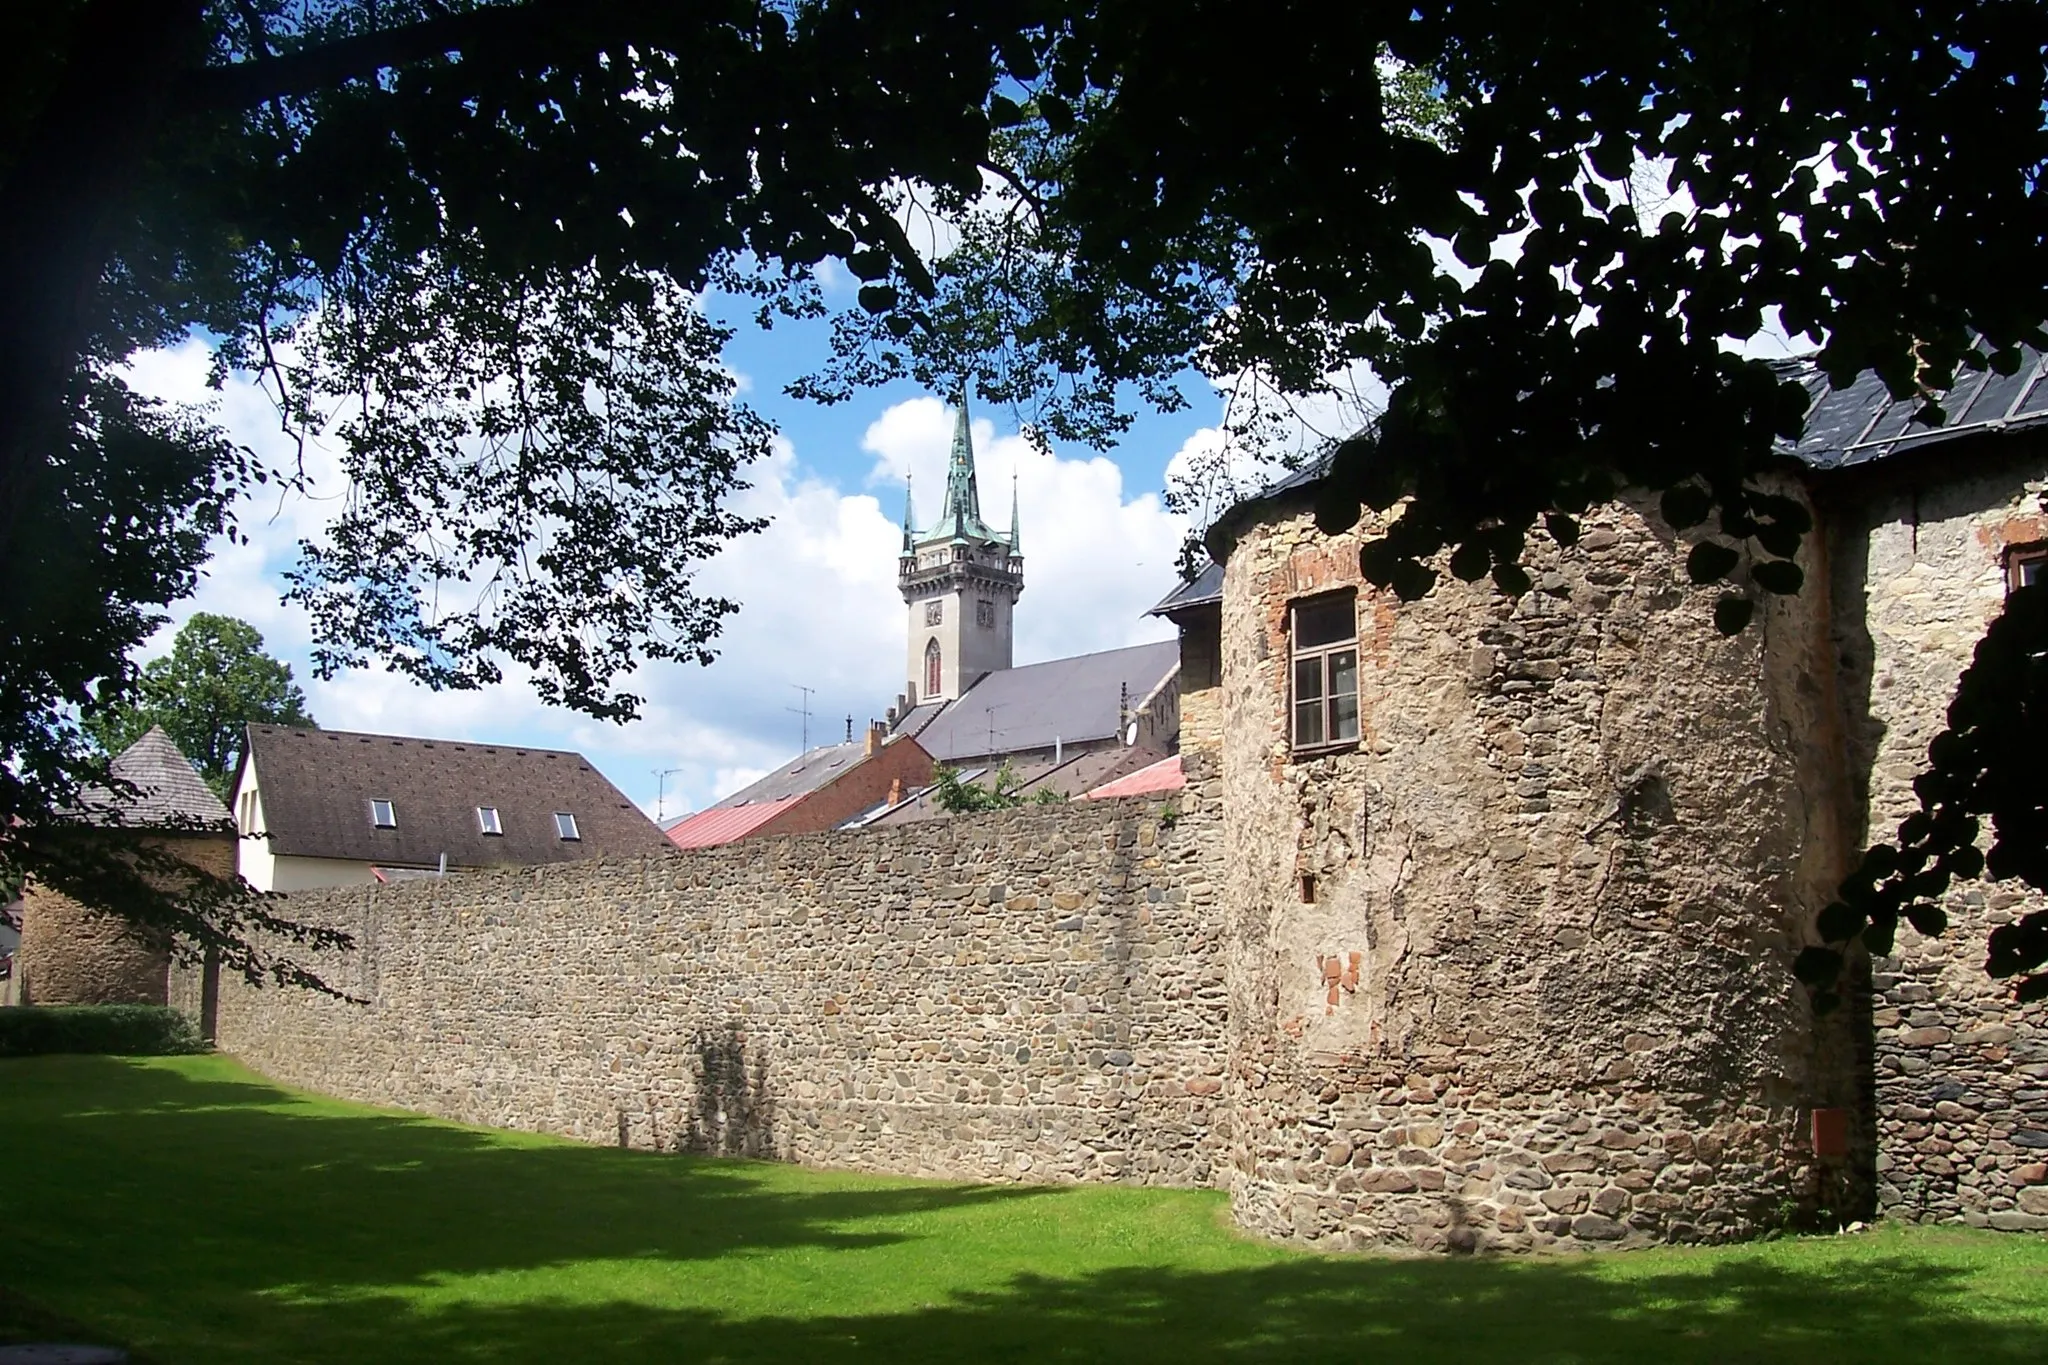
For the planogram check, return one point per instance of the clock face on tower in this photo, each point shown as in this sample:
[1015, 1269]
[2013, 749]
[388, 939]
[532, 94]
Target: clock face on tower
[962, 559]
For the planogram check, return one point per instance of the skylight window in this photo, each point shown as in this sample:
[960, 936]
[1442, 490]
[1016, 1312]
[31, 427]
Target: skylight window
[487, 820]
[383, 815]
[565, 825]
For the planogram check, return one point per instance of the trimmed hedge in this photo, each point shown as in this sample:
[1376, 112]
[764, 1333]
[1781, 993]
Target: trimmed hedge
[119, 1030]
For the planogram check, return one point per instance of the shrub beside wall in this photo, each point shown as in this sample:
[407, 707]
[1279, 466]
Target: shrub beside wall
[116, 1030]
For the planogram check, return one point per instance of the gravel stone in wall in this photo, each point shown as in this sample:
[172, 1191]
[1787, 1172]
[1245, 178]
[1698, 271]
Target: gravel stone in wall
[1514, 972]
[1961, 1072]
[1033, 994]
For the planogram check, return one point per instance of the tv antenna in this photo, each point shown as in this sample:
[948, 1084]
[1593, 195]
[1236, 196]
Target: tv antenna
[805, 712]
[661, 777]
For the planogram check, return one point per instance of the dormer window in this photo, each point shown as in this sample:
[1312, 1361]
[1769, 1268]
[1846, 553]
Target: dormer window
[565, 826]
[487, 821]
[382, 814]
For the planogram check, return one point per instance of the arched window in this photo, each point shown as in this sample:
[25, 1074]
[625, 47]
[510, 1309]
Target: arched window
[934, 672]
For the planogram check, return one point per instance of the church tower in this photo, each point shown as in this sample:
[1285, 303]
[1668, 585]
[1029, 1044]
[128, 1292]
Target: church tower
[961, 580]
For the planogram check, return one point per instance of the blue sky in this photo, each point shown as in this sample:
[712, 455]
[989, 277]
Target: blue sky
[819, 606]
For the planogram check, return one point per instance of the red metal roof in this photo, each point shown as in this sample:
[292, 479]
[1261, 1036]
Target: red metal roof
[1163, 776]
[723, 824]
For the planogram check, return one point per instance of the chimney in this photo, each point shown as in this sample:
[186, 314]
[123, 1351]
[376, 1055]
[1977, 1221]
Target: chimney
[877, 736]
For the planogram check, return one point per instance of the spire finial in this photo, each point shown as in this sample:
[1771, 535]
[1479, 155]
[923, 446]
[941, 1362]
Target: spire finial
[963, 499]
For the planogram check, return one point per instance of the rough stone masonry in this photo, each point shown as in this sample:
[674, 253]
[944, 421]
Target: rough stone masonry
[1035, 994]
[1511, 970]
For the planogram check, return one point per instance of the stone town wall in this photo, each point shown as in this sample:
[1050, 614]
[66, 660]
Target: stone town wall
[1035, 994]
[72, 955]
[1961, 1072]
[1514, 971]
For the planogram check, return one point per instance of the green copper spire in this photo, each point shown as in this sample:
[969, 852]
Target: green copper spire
[963, 496]
[960, 517]
[1016, 538]
[909, 518]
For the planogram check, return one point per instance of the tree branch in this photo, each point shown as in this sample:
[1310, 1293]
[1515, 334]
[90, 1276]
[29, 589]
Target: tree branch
[240, 85]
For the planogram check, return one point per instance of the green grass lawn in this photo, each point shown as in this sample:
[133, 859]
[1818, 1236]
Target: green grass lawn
[200, 1214]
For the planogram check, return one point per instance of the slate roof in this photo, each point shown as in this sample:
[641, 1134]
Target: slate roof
[1862, 423]
[1072, 700]
[1855, 425]
[1205, 591]
[169, 795]
[800, 776]
[316, 787]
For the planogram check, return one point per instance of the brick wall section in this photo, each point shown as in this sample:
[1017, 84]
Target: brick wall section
[868, 783]
[1542, 996]
[72, 955]
[1033, 994]
[1961, 1072]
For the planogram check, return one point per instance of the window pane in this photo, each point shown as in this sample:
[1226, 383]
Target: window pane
[1308, 679]
[1325, 622]
[1308, 723]
[1344, 694]
[2030, 571]
[565, 825]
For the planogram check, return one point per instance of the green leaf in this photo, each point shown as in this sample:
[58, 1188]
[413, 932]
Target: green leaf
[1818, 966]
[1780, 576]
[1336, 509]
[1840, 922]
[1511, 579]
[1685, 506]
[1930, 920]
[1413, 580]
[1376, 562]
[1710, 561]
[1732, 613]
[1470, 561]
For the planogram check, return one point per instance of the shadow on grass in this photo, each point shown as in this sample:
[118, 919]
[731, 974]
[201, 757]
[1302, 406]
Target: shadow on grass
[214, 1219]
[1305, 1311]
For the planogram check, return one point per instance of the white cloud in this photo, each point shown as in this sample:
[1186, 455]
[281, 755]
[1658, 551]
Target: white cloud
[819, 606]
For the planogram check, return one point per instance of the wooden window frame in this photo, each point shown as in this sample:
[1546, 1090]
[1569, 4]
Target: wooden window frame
[2020, 558]
[1327, 656]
